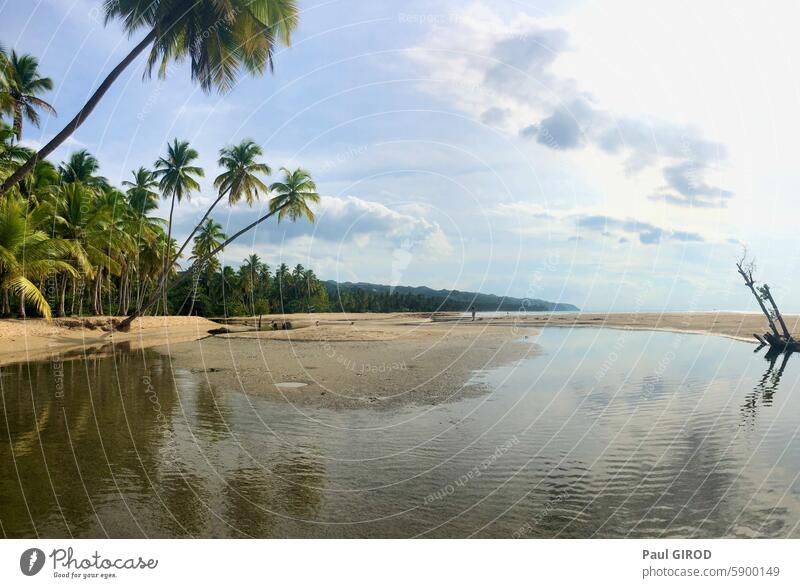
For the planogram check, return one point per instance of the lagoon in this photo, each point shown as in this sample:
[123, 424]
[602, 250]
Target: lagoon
[605, 433]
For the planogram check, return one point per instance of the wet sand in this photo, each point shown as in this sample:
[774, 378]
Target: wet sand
[369, 360]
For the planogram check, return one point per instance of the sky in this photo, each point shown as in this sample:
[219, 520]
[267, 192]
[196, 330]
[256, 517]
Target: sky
[613, 154]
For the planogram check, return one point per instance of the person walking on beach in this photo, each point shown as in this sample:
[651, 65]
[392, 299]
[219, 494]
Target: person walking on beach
[472, 310]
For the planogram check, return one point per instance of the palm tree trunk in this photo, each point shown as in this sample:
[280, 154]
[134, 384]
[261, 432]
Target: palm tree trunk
[167, 261]
[6, 304]
[97, 308]
[83, 113]
[194, 290]
[74, 296]
[62, 299]
[22, 307]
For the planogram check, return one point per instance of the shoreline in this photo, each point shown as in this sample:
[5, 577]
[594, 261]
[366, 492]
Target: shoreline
[35, 339]
[339, 360]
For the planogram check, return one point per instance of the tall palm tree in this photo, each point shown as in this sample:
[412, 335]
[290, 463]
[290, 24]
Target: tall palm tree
[248, 278]
[294, 195]
[23, 84]
[177, 181]
[82, 167]
[239, 180]
[220, 38]
[208, 238]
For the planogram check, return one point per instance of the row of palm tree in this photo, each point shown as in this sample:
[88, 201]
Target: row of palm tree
[72, 242]
[253, 289]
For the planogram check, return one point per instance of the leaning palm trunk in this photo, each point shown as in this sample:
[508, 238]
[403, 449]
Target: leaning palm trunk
[83, 113]
[197, 226]
[125, 324]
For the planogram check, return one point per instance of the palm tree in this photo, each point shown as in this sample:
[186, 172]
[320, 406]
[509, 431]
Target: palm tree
[40, 183]
[11, 155]
[27, 254]
[220, 39]
[294, 195]
[82, 167]
[239, 180]
[248, 278]
[208, 238]
[177, 181]
[142, 196]
[22, 87]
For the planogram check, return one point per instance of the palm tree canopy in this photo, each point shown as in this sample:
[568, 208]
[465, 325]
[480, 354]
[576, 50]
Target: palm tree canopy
[82, 167]
[239, 179]
[21, 88]
[176, 173]
[208, 238]
[142, 196]
[219, 37]
[293, 195]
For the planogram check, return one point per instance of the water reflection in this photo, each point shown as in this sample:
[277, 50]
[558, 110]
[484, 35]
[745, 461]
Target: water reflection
[566, 444]
[767, 385]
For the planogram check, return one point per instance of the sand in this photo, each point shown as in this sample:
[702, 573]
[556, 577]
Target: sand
[346, 361]
[34, 339]
[367, 360]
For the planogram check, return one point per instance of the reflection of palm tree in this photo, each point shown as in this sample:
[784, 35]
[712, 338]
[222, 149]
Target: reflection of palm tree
[766, 387]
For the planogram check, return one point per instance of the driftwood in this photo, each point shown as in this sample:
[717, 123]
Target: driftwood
[777, 340]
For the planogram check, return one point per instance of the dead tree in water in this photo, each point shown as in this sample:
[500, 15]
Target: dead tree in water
[776, 339]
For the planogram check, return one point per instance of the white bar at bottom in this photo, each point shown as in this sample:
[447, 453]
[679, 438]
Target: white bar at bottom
[404, 563]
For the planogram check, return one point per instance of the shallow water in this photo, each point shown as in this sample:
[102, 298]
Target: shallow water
[607, 433]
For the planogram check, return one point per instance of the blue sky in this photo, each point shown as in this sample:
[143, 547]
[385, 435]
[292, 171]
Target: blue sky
[611, 154]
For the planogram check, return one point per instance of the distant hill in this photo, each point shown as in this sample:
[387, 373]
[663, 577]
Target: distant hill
[448, 299]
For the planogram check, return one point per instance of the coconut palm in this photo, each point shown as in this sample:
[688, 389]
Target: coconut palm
[208, 238]
[82, 167]
[22, 87]
[176, 176]
[40, 183]
[220, 38]
[142, 200]
[239, 180]
[248, 279]
[293, 194]
[142, 195]
[28, 254]
[11, 154]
